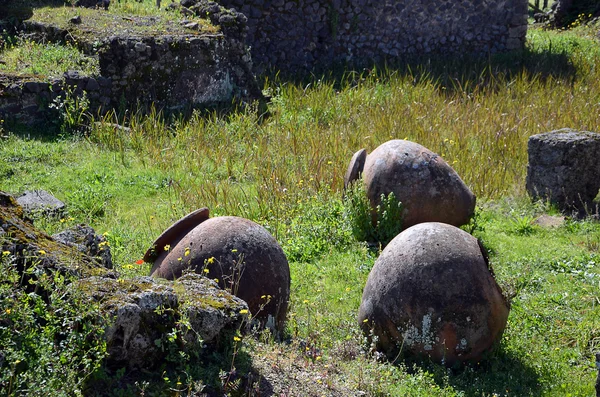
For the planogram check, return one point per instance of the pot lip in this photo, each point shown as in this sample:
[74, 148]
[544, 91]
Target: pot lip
[355, 168]
[177, 229]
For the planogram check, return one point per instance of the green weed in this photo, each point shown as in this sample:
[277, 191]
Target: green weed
[47, 339]
[380, 224]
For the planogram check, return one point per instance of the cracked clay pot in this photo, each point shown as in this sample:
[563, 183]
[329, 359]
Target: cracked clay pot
[429, 189]
[432, 294]
[239, 254]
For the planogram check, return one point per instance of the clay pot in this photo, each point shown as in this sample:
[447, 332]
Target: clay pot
[432, 294]
[240, 254]
[429, 189]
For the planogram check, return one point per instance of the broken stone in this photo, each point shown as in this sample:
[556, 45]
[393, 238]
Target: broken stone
[85, 239]
[564, 169]
[40, 202]
[432, 294]
[31, 248]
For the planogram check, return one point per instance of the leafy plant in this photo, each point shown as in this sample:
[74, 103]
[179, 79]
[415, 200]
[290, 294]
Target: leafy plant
[318, 225]
[380, 224]
[47, 334]
[523, 225]
[73, 111]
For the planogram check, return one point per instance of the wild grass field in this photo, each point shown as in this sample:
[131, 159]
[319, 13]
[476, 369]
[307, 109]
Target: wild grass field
[284, 170]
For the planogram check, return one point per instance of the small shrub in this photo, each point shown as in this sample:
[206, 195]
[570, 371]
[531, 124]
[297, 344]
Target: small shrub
[73, 112]
[360, 214]
[317, 228]
[523, 225]
[50, 341]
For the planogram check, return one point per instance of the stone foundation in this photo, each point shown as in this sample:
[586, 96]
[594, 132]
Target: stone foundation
[27, 101]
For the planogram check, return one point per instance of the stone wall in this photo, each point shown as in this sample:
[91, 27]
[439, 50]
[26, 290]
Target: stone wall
[26, 100]
[292, 34]
[178, 71]
[176, 66]
[170, 70]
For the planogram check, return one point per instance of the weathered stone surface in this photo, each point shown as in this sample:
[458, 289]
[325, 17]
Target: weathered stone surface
[40, 202]
[33, 249]
[85, 239]
[173, 67]
[429, 189]
[141, 311]
[432, 294]
[26, 101]
[241, 254]
[564, 168]
[292, 35]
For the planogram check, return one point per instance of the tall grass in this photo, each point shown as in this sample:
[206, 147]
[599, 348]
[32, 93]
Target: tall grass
[478, 125]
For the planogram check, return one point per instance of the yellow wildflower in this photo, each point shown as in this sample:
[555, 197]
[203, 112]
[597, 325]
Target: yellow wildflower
[244, 311]
[236, 338]
[210, 260]
[187, 251]
[206, 270]
[4, 253]
[167, 247]
[42, 252]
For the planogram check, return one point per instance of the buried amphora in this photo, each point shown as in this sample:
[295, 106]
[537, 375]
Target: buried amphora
[239, 254]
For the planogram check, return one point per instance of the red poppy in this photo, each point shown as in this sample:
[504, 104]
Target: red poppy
[139, 262]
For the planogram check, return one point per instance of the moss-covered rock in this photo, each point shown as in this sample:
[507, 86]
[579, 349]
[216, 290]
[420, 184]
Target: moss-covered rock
[147, 318]
[35, 252]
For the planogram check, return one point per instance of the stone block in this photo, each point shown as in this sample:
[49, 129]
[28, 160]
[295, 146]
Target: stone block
[564, 168]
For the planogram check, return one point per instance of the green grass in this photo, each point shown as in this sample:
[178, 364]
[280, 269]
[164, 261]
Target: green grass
[25, 58]
[285, 172]
[124, 18]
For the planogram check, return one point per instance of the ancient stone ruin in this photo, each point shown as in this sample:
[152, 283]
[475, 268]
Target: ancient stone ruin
[143, 61]
[428, 188]
[291, 34]
[564, 169]
[240, 255]
[177, 66]
[432, 294]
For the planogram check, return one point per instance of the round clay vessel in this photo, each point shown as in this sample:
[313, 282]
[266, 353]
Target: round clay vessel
[242, 256]
[429, 189]
[432, 294]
